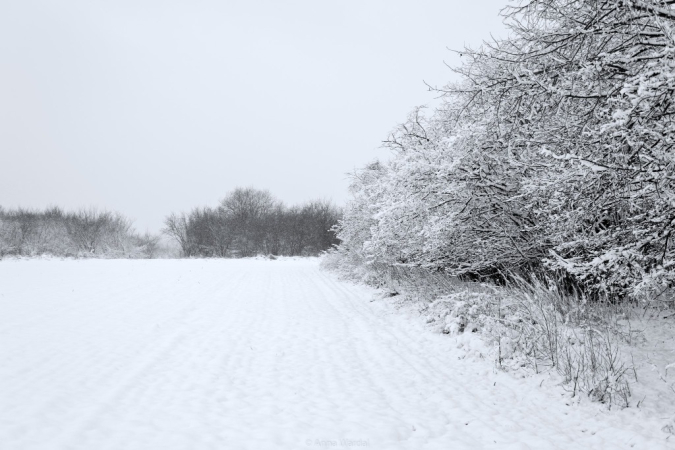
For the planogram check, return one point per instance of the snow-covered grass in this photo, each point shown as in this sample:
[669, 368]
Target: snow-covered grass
[262, 354]
[614, 354]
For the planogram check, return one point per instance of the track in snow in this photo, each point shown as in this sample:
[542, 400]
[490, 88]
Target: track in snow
[250, 354]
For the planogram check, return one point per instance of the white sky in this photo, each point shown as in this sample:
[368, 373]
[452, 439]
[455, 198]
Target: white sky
[148, 107]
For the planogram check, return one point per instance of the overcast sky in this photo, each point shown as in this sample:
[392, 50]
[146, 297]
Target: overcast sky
[148, 107]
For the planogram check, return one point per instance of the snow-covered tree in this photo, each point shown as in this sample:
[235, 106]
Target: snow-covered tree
[553, 154]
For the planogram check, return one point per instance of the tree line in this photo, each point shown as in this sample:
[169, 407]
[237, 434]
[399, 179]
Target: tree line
[249, 222]
[86, 232]
[553, 155]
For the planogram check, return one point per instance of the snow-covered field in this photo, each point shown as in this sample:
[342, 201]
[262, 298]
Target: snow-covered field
[257, 354]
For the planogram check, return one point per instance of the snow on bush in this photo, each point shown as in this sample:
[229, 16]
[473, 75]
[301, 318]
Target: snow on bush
[83, 233]
[553, 154]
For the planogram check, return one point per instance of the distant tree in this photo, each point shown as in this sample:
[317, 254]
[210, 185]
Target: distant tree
[322, 215]
[247, 210]
[176, 227]
[92, 230]
[52, 231]
[249, 221]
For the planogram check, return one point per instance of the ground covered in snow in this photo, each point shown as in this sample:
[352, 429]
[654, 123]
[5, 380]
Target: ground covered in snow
[258, 354]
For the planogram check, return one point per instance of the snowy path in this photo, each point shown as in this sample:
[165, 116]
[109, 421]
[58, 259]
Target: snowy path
[251, 354]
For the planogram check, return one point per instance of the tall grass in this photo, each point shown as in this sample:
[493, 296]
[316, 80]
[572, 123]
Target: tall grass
[538, 324]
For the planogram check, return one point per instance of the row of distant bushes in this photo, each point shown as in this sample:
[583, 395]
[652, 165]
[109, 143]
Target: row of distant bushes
[249, 222]
[86, 232]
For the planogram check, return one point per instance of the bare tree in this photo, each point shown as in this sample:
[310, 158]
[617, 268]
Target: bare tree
[176, 227]
[51, 231]
[246, 209]
[249, 222]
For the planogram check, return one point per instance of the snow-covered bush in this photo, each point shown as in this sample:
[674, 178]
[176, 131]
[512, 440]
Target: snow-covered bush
[552, 155]
[10, 237]
[84, 233]
[551, 160]
[596, 83]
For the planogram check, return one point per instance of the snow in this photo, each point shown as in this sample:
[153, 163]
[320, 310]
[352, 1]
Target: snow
[258, 354]
[651, 356]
